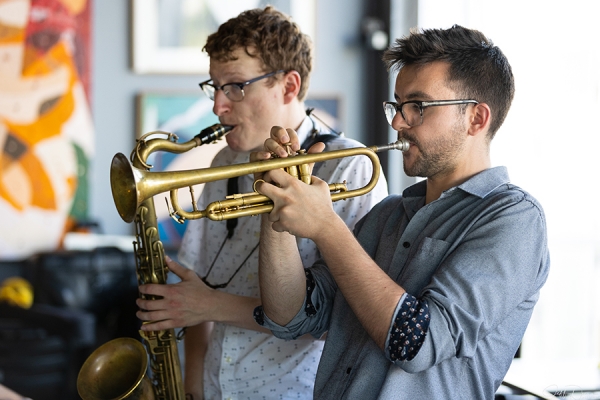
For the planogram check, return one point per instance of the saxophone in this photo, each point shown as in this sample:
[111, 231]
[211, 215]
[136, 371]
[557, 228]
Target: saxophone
[117, 369]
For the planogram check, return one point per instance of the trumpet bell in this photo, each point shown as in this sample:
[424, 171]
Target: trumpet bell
[124, 188]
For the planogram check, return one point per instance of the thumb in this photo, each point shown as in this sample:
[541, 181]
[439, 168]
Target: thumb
[175, 267]
[315, 148]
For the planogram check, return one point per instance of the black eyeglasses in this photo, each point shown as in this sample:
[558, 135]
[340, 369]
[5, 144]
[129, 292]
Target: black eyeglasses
[234, 90]
[412, 110]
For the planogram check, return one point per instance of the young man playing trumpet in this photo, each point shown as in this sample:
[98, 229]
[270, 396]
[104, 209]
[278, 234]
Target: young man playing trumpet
[431, 294]
[260, 63]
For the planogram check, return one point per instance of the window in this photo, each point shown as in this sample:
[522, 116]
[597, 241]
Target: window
[550, 143]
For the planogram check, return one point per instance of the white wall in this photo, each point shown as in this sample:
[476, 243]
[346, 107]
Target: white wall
[549, 142]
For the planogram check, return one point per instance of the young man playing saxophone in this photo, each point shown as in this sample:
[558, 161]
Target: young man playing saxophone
[260, 65]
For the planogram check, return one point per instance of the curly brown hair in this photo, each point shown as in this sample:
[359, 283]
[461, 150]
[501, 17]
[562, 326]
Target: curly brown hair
[266, 34]
[478, 69]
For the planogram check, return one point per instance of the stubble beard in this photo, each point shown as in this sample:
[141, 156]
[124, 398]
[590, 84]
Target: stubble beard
[437, 156]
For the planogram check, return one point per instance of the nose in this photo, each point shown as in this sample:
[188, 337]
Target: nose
[398, 122]
[222, 104]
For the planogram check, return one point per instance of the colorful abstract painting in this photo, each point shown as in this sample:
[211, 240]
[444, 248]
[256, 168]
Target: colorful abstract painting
[46, 130]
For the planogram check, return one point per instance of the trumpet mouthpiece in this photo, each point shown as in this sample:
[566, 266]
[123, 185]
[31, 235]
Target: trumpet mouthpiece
[401, 144]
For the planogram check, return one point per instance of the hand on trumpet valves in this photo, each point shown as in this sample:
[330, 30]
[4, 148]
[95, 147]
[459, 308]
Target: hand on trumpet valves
[294, 202]
[282, 143]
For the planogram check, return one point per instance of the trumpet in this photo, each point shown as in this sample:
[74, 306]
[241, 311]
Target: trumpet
[131, 185]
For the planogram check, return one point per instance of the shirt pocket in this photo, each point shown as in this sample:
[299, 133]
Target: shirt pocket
[422, 264]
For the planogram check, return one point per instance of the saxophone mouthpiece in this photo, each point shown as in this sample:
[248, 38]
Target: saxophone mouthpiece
[213, 133]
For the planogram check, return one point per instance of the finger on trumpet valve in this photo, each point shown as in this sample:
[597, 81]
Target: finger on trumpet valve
[288, 148]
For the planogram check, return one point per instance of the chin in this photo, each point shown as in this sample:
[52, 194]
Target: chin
[240, 147]
[233, 144]
[248, 145]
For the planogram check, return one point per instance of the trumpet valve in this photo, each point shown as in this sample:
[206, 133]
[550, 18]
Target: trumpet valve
[288, 148]
[338, 187]
[304, 173]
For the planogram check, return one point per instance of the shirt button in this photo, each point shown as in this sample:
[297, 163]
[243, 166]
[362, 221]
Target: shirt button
[228, 359]
[406, 245]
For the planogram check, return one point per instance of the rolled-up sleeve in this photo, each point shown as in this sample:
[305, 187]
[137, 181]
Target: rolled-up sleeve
[313, 317]
[409, 328]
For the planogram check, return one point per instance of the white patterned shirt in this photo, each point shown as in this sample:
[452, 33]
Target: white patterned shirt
[247, 364]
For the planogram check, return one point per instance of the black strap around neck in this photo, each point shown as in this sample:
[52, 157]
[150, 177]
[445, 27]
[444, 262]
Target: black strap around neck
[315, 134]
[232, 188]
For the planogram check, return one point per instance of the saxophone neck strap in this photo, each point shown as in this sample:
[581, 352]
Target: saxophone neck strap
[315, 134]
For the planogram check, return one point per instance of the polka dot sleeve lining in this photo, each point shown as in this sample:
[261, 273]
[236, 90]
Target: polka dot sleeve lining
[409, 329]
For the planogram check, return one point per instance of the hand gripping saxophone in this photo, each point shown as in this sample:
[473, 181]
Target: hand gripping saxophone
[117, 369]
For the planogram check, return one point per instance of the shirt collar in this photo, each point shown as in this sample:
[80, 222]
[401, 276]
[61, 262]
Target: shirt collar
[486, 181]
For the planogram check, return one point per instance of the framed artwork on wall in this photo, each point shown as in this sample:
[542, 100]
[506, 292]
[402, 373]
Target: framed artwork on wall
[167, 36]
[184, 114]
[46, 127]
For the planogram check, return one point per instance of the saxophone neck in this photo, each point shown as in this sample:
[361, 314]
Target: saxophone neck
[149, 143]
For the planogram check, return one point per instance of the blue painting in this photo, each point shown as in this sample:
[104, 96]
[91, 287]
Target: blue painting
[185, 115]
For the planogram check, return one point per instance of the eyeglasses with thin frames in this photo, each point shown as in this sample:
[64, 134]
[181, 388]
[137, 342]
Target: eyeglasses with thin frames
[412, 110]
[234, 90]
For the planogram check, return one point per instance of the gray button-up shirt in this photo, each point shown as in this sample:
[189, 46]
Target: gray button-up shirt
[477, 255]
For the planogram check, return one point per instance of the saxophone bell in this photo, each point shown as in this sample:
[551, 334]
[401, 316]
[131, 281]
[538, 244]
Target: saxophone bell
[99, 380]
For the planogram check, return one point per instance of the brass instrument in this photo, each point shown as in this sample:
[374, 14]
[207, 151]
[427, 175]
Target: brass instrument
[132, 186]
[117, 369]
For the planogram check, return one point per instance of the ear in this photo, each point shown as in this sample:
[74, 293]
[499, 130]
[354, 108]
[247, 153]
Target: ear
[481, 117]
[291, 86]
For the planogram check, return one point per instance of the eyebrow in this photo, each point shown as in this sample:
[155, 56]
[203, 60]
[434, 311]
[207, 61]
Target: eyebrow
[219, 84]
[414, 95]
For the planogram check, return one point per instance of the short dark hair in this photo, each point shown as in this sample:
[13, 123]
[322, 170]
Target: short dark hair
[478, 69]
[269, 35]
